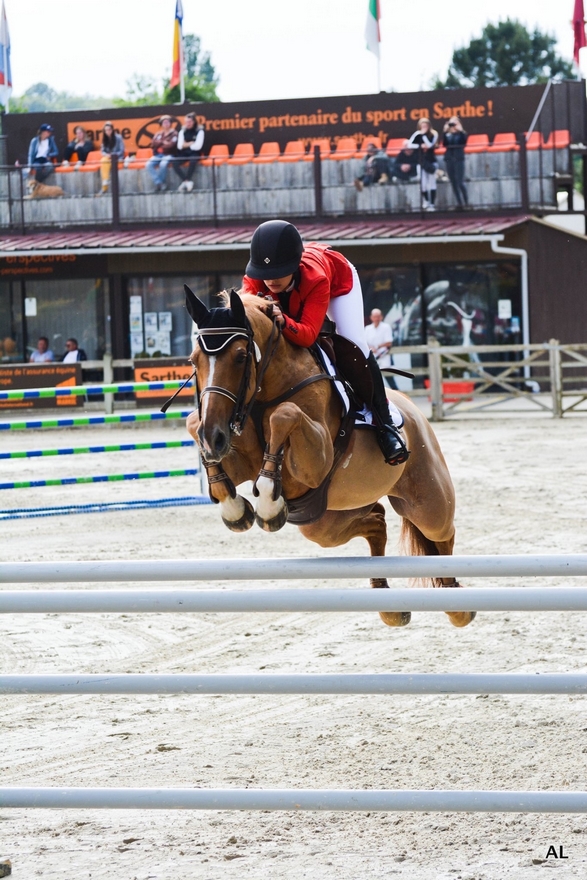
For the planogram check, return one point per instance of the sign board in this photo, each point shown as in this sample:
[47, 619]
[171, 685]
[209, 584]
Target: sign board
[40, 376]
[162, 370]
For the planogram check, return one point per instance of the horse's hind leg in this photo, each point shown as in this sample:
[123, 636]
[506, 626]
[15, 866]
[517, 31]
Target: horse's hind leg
[338, 527]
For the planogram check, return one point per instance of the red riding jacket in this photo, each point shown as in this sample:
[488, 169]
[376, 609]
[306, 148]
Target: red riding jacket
[323, 274]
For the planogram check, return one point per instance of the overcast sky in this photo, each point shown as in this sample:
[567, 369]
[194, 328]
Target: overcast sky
[261, 49]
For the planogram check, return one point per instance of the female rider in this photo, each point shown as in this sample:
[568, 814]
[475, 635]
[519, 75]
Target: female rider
[306, 283]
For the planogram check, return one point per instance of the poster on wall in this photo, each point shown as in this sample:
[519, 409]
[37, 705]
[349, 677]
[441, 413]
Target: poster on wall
[165, 322]
[137, 344]
[151, 323]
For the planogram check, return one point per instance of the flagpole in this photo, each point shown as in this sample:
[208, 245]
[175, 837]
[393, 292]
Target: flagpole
[181, 68]
[6, 92]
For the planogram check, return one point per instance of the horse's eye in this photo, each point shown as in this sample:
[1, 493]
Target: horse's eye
[240, 356]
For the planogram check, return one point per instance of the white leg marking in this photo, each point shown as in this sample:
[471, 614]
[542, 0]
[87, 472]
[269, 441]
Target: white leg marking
[233, 508]
[267, 509]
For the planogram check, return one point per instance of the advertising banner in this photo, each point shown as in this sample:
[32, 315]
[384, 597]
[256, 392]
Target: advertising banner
[40, 376]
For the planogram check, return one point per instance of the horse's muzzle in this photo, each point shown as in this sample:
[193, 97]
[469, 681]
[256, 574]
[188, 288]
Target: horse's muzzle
[214, 444]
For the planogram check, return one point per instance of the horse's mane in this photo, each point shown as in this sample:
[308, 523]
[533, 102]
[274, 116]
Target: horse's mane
[251, 303]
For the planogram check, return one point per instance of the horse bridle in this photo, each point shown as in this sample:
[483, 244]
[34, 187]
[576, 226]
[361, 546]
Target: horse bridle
[242, 406]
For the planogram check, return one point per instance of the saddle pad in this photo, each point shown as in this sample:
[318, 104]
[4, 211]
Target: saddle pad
[365, 416]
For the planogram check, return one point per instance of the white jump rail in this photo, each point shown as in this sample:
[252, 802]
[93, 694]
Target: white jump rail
[302, 568]
[541, 599]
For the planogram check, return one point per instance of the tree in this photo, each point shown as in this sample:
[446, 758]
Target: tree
[141, 91]
[41, 98]
[506, 54]
[200, 80]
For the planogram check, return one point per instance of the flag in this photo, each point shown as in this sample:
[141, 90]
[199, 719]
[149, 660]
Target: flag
[177, 67]
[372, 34]
[5, 73]
[579, 29]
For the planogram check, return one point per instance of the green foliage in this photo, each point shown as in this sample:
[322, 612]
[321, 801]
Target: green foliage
[41, 98]
[141, 91]
[506, 54]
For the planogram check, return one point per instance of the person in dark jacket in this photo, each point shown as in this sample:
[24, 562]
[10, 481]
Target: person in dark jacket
[375, 168]
[164, 145]
[405, 164]
[81, 145]
[42, 151]
[454, 138]
[73, 352]
[190, 142]
[424, 140]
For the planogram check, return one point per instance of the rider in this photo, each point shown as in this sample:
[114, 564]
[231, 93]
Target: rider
[306, 283]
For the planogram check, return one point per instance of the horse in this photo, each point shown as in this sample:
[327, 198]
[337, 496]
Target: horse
[267, 412]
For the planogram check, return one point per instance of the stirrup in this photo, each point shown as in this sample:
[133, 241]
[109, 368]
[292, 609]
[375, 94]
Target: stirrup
[392, 445]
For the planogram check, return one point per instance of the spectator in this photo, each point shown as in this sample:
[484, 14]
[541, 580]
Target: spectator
[405, 165]
[164, 144]
[73, 353]
[42, 151]
[454, 139]
[112, 146]
[375, 168]
[81, 145]
[42, 354]
[190, 142]
[379, 339]
[424, 140]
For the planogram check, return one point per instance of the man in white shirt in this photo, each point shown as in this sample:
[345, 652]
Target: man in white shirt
[42, 353]
[379, 339]
[73, 353]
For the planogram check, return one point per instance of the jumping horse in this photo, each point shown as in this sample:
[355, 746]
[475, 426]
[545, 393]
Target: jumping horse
[268, 413]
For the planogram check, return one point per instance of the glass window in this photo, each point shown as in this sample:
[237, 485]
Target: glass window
[397, 292]
[159, 323]
[66, 308]
[11, 338]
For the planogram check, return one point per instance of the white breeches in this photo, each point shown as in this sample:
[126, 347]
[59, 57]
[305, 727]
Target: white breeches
[428, 181]
[347, 312]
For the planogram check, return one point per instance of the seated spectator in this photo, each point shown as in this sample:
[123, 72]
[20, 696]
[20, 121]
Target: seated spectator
[73, 353]
[112, 145]
[404, 166]
[42, 151]
[190, 142]
[375, 169]
[42, 354]
[454, 139]
[81, 145]
[164, 145]
[424, 141]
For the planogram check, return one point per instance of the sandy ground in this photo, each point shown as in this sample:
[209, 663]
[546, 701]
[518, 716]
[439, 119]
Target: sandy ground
[521, 488]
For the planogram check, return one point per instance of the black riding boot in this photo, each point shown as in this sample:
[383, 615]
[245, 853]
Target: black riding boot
[390, 441]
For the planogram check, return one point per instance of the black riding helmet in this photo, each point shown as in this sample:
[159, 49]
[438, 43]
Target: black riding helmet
[276, 250]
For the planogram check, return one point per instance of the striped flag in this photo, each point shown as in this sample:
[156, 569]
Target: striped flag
[177, 67]
[5, 72]
[579, 29]
[372, 34]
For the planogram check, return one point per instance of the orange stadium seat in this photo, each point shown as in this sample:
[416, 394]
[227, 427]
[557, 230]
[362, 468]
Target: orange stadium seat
[293, 152]
[93, 161]
[558, 139]
[218, 155]
[243, 153]
[346, 148]
[324, 146]
[534, 141]
[64, 169]
[269, 152]
[394, 145]
[141, 158]
[477, 143]
[376, 141]
[503, 142]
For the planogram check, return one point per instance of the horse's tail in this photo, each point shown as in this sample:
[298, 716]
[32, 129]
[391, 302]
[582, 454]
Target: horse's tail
[414, 543]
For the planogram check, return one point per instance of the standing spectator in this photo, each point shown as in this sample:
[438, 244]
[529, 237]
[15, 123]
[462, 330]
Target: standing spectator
[42, 354]
[404, 166]
[375, 168]
[190, 142]
[112, 147]
[164, 144]
[424, 140]
[73, 353]
[81, 145]
[42, 151]
[454, 139]
[379, 339]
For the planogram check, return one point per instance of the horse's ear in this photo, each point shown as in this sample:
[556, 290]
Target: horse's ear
[198, 311]
[237, 308]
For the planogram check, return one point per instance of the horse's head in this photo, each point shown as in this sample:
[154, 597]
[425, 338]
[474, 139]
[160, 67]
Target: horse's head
[225, 359]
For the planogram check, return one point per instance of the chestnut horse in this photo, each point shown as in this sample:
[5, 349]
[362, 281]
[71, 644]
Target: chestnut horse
[243, 364]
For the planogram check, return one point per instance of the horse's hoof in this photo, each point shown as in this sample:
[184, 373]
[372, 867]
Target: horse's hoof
[245, 522]
[395, 618]
[275, 524]
[461, 618]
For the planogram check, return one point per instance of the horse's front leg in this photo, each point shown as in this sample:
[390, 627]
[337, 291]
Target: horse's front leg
[237, 512]
[306, 448]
